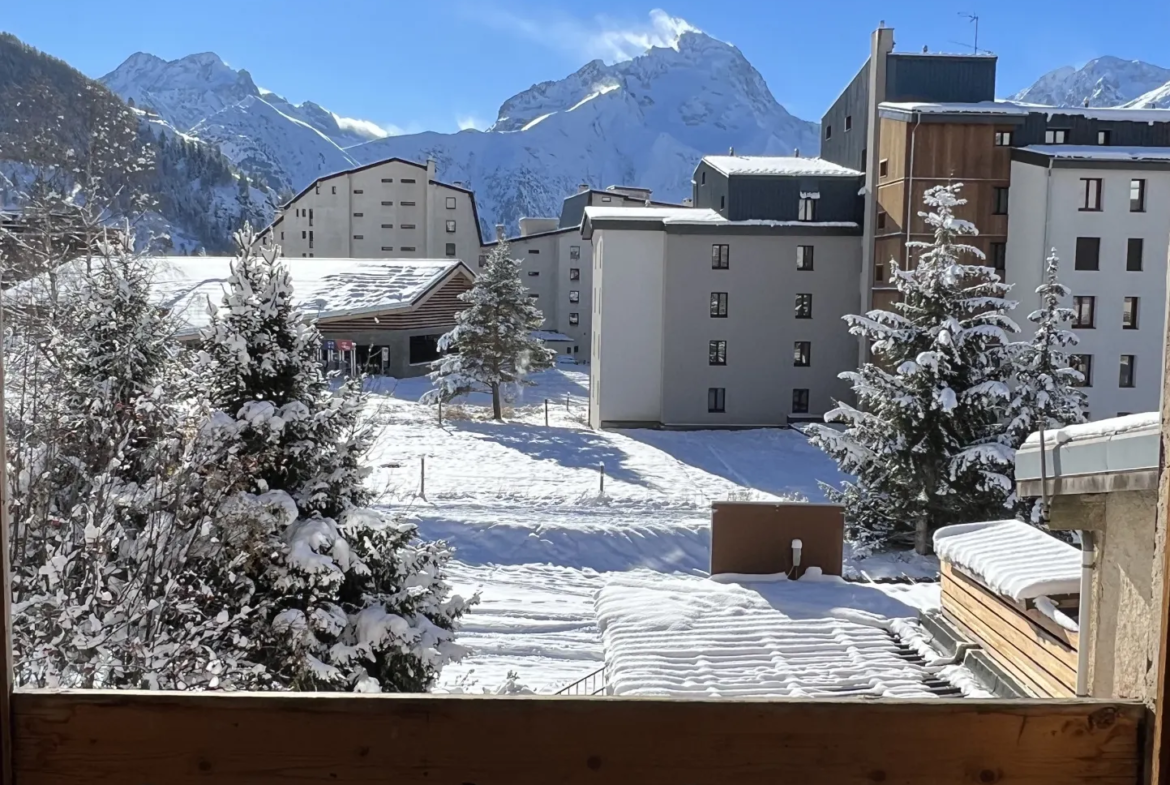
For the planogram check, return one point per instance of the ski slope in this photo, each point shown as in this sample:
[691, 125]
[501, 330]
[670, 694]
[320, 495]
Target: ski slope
[522, 504]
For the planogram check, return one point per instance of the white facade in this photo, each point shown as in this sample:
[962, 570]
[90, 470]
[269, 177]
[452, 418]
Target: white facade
[391, 209]
[1048, 210]
[666, 351]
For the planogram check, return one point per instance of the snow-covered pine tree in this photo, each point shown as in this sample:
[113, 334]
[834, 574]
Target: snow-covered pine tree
[343, 598]
[925, 442]
[492, 345]
[1046, 393]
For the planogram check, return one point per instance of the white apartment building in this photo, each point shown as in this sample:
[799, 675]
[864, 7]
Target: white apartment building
[700, 321]
[389, 209]
[1106, 211]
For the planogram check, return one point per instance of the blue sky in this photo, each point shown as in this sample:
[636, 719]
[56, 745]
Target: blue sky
[441, 64]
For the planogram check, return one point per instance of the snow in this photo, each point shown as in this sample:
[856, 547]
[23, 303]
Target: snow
[1017, 109]
[603, 213]
[978, 107]
[324, 287]
[686, 636]
[1099, 153]
[551, 335]
[1103, 81]
[1097, 429]
[777, 166]
[1012, 558]
[1046, 606]
[521, 505]
[600, 91]
[533, 123]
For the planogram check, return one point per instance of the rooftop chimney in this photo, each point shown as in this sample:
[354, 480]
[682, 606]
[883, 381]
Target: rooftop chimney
[1086, 102]
[430, 169]
[731, 151]
[925, 49]
[582, 188]
[499, 231]
[796, 153]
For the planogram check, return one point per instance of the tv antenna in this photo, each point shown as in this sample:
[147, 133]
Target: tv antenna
[973, 18]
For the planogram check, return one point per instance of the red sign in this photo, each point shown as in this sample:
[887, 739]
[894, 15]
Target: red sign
[345, 346]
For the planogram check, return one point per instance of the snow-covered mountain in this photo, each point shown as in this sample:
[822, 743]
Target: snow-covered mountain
[1158, 98]
[645, 121]
[1105, 81]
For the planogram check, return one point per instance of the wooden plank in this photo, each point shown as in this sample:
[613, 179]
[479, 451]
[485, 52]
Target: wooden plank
[1009, 654]
[1021, 629]
[6, 658]
[1022, 678]
[182, 738]
[1066, 602]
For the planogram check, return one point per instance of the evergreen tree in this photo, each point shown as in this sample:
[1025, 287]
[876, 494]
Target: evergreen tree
[343, 598]
[492, 344]
[926, 442]
[1046, 392]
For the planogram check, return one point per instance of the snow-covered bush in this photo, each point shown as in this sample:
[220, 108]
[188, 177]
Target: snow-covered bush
[342, 597]
[491, 345]
[926, 442]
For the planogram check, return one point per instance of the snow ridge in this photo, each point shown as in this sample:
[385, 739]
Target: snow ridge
[1104, 81]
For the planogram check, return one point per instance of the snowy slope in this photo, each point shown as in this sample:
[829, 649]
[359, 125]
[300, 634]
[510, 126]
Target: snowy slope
[1105, 81]
[1158, 98]
[645, 121]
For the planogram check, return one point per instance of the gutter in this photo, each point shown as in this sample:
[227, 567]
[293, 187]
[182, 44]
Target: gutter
[1088, 565]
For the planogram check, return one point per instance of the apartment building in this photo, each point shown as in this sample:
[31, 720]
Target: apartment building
[556, 264]
[703, 318]
[389, 209]
[1106, 211]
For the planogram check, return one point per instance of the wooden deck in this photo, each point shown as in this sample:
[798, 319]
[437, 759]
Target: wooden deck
[1038, 652]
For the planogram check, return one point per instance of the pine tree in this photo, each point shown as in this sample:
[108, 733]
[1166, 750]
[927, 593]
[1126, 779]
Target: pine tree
[492, 345]
[1046, 392]
[343, 598]
[926, 442]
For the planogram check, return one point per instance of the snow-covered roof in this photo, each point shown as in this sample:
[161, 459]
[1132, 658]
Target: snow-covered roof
[1117, 454]
[1112, 426]
[816, 637]
[978, 107]
[611, 213]
[777, 166]
[1012, 558]
[1020, 109]
[1100, 152]
[551, 336]
[323, 287]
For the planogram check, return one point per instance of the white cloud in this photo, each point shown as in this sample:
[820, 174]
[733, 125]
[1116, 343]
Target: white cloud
[364, 128]
[466, 122]
[601, 37]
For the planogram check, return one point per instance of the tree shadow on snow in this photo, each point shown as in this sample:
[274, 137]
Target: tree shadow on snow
[570, 448]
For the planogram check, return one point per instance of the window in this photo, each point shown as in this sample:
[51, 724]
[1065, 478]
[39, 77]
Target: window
[450, 249]
[722, 202]
[1088, 253]
[359, 237]
[533, 296]
[828, 132]
[450, 226]
[1129, 314]
[574, 318]
[387, 226]
[358, 215]
[574, 252]
[717, 353]
[719, 305]
[720, 257]
[884, 167]
[282, 236]
[1084, 307]
[1082, 364]
[1001, 202]
[881, 219]
[716, 399]
[1003, 138]
[387, 179]
[310, 238]
[999, 256]
[800, 401]
[387, 248]
[423, 348]
[1137, 196]
[358, 191]
[533, 273]
[864, 157]
[317, 189]
[410, 180]
[534, 251]
[848, 122]
[482, 259]
[574, 295]
[1103, 137]
[879, 273]
[574, 273]
[298, 213]
[804, 306]
[1090, 193]
[802, 354]
[387, 204]
[1133, 254]
[406, 226]
[335, 189]
[807, 210]
[804, 257]
[406, 204]
[408, 249]
[1125, 377]
[304, 235]
[606, 199]
[1056, 136]
[702, 178]
[310, 216]
[450, 202]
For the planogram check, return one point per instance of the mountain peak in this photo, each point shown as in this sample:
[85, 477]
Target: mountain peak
[1103, 81]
